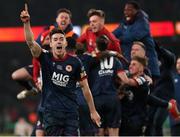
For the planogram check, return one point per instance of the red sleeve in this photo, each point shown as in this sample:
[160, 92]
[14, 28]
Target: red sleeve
[82, 38]
[36, 69]
[114, 44]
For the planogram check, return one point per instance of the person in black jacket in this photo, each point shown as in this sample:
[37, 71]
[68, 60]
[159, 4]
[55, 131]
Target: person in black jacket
[175, 124]
[163, 88]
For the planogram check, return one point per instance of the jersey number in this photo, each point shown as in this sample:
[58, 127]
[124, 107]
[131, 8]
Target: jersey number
[105, 64]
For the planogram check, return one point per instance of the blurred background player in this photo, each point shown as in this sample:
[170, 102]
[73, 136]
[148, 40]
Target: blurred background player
[133, 99]
[22, 127]
[138, 49]
[101, 78]
[86, 126]
[163, 88]
[33, 75]
[175, 124]
[24, 77]
[96, 28]
[135, 27]
[63, 22]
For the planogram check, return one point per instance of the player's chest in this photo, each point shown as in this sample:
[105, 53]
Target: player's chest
[63, 68]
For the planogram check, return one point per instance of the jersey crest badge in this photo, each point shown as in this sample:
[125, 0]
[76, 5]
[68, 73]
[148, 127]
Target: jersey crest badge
[68, 68]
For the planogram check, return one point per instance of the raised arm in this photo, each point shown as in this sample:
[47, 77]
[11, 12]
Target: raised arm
[29, 36]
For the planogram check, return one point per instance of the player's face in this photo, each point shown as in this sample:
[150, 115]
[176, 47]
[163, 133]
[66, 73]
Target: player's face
[96, 23]
[178, 65]
[58, 44]
[137, 50]
[129, 12]
[135, 67]
[63, 20]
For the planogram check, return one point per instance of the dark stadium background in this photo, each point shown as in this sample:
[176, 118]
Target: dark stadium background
[43, 12]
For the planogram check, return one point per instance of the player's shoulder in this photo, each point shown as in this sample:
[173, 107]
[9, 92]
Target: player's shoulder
[117, 60]
[87, 55]
[74, 58]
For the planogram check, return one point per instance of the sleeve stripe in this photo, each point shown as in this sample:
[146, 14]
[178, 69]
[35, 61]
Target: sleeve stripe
[140, 80]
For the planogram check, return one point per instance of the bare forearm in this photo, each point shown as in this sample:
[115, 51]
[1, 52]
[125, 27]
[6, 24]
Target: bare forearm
[29, 37]
[89, 99]
[126, 80]
[88, 96]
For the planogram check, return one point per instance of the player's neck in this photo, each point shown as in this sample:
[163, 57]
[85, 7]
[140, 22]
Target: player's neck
[60, 56]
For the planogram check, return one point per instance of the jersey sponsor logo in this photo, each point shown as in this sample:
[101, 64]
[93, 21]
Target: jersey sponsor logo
[68, 68]
[60, 79]
[106, 67]
[105, 72]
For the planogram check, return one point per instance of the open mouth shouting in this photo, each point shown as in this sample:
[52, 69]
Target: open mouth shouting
[127, 17]
[63, 23]
[59, 47]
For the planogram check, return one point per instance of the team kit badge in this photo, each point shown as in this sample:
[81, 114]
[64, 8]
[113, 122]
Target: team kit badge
[68, 68]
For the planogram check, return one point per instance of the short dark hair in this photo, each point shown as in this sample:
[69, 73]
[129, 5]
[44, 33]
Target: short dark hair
[64, 10]
[102, 42]
[71, 46]
[178, 57]
[140, 44]
[93, 12]
[142, 60]
[135, 4]
[54, 31]
[80, 48]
